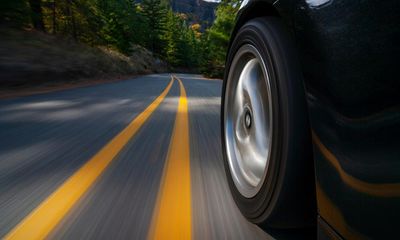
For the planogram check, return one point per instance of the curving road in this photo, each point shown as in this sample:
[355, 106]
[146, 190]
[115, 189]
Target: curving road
[135, 159]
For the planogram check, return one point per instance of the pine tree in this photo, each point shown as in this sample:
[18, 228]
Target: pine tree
[37, 14]
[154, 12]
[171, 38]
[217, 38]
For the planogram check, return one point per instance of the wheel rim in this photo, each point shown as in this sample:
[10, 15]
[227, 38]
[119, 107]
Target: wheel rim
[248, 120]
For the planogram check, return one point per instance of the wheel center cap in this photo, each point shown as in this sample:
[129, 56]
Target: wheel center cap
[247, 119]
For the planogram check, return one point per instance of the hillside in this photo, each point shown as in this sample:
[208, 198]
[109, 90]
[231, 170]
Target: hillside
[199, 11]
[29, 58]
[78, 41]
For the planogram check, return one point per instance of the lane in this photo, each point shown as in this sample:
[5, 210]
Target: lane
[215, 215]
[123, 201]
[44, 139]
[42, 220]
[120, 205]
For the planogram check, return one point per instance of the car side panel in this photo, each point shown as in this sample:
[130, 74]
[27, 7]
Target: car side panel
[350, 56]
[349, 51]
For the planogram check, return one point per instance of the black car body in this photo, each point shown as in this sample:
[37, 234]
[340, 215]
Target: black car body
[349, 53]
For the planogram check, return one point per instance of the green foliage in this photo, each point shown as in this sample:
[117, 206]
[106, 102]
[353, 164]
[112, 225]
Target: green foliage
[181, 42]
[155, 16]
[120, 24]
[216, 41]
[15, 13]
[171, 37]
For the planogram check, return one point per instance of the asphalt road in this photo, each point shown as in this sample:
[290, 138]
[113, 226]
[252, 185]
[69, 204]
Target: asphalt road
[46, 139]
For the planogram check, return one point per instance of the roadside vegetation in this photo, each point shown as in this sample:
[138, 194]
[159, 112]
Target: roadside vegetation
[73, 39]
[216, 39]
[31, 58]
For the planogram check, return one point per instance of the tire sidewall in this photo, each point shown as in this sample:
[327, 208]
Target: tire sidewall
[266, 40]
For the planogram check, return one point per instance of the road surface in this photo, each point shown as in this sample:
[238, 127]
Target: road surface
[134, 159]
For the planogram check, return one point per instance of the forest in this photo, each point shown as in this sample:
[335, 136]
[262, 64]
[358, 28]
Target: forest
[125, 25]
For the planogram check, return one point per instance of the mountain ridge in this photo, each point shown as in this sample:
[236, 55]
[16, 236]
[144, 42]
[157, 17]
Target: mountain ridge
[198, 11]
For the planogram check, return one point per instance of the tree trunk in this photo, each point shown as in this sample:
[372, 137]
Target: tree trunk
[37, 15]
[72, 18]
[54, 17]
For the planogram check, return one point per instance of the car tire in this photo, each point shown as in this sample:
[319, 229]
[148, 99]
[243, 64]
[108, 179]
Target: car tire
[265, 131]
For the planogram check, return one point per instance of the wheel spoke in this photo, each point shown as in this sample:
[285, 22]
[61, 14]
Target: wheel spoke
[248, 121]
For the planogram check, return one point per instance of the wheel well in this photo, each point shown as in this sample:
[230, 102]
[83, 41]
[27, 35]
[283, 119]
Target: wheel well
[262, 8]
[255, 9]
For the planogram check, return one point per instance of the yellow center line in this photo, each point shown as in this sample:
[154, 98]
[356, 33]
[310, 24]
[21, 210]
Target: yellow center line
[43, 219]
[172, 216]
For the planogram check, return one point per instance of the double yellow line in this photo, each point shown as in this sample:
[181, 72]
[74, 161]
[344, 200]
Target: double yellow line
[172, 216]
